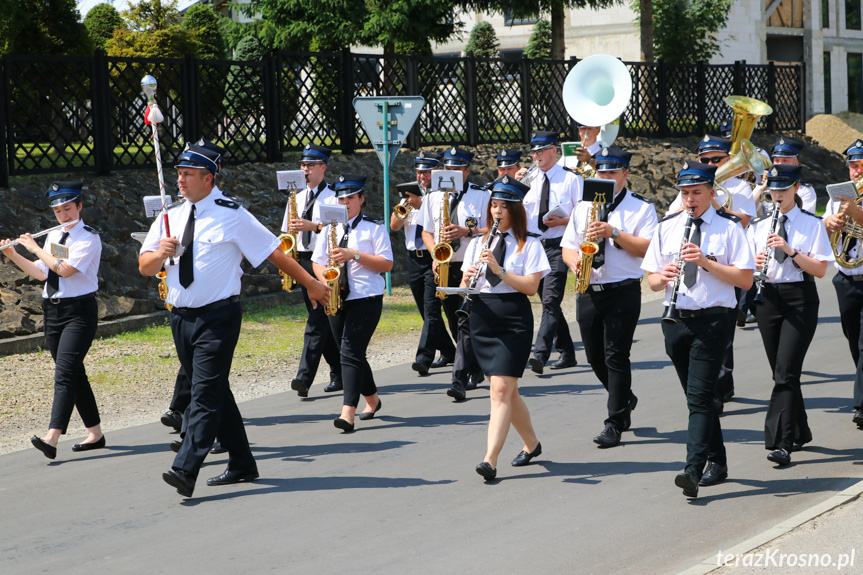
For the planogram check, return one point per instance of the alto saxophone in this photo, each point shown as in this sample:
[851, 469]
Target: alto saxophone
[442, 252]
[163, 287]
[288, 241]
[333, 275]
[589, 246]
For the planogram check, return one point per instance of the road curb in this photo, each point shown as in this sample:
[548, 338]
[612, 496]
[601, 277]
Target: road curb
[837, 500]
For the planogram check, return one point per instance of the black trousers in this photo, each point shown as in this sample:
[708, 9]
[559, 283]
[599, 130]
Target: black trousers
[318, 339]
[70, 326]
[787, 318]
[434, 335]
[182, 392]
[725, 384]
[205, 346]
[607, 321]
[551, 291]
[465, 364]
[695, 346]
[850, 295]
[353, 328]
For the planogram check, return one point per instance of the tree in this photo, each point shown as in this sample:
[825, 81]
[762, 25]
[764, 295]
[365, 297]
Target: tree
[205, 26]
[483, 41]
[539, 44]
[48, 27]
[101, 21]
[153, 32]
[645, 22]
[685, 30]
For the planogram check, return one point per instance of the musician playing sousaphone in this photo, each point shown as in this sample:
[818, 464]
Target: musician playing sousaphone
[713, 260]
[609, 309]
[590, 146]
[840, 218]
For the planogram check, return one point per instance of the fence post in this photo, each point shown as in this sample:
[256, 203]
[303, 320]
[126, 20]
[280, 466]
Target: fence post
[801, 99]
[413, 139]
[191, 99]
[102, 139]
[701, 99]
[740, 77]
[348, 136]
[573, 127]
[663, 99]
[526, 107]
[4, 99]
[471, 102]
[272, 105]
[771, 96]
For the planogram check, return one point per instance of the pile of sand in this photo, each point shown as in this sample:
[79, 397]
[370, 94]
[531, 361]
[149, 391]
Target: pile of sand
[837, 132]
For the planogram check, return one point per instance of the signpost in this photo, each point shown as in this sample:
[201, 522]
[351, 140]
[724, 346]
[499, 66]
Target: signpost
[387, 121]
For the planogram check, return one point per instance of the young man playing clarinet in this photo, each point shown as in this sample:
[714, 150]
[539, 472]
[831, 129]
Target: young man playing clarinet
[698, 257]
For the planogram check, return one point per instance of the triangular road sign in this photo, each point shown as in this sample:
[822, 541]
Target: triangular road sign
[402, 113]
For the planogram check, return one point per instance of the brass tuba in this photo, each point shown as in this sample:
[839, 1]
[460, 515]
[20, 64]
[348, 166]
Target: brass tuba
[840, 240]
[588, 247]
[288, 241]
[333, 275]
[442, 252]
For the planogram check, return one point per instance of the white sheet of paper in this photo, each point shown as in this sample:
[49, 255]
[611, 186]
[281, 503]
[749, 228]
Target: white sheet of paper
[287, 177]
[139, 236]
[841, 190]
[556, 212]
[153, 205]
[331, 214]
[447, 180]
[457, 290]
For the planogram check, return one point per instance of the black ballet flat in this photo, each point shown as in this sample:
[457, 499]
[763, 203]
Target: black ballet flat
[486, 470]
[49, 450]
[343, 425]
[99, 444]
[524, 457]
[370, 414]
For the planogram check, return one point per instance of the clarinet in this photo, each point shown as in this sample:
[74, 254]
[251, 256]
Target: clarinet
[761, 274]
[671, 314]
[464, 310]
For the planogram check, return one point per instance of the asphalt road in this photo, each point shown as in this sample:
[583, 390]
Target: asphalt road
[401, 496]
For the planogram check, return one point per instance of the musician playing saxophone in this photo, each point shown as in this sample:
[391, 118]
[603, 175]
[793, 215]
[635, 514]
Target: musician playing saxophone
[608, 311]
[848, 290]
[364, 253]
[717, 258]
[795, 251]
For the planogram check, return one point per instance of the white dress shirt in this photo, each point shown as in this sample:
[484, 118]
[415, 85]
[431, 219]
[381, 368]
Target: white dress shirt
[326, 196]
[84, 249]
[806, 233]
[741, 196]
[565, 190]
[474, 203]
[572, 161]
[529, 260]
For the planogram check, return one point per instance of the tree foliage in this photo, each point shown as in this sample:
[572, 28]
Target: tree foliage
[101, 21]
[539, 44]
[685, 30]
[49, 27]
[483, 42]
[153, 32]
[202, 23]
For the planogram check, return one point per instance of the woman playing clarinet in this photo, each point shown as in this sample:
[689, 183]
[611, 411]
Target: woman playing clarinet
[501, 320]
[791, 246]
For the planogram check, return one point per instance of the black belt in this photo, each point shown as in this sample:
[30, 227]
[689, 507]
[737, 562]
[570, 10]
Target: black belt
[613, 285]
[715, 310]
[196, 311]
[59, 300]
[418, 254]
[857, 278]
[551, 243]
[304, 256]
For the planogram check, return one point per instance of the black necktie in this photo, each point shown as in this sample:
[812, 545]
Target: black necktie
[187, 260]
[599, 257]
[307, 212]
[690, 269]
[344, 285]
[499, 253]
[779, 254]
[418, 237]
[455, 200]
[53, 279]
[543, 203]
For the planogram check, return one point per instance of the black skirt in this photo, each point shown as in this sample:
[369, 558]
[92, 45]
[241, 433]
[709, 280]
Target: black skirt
[501, 331]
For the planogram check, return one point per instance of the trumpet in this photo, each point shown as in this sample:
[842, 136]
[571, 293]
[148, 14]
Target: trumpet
[589, 247]
[760, 275]
[464, 310]
[840, 240]
[333, 275]
[671, 314]
[442, 252]
[530, 175]
[584, 169]
[402, 210]
[42, 233]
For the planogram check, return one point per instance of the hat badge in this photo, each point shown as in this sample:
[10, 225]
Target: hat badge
[685, 165]
[859, 144]
[55, 187]
[422, 155]
[605, 151]
[453, 152]
[505, 180]
[342, 178]
[781, 141]
[774, 173]
[706, 139]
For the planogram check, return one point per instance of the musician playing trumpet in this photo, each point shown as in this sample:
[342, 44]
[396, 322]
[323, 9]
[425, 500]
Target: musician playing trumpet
[509, 164]
[716, 258]
[792, 247]
[849, 290]
[608, 311]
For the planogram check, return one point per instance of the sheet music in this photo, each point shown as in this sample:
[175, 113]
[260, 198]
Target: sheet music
[287, 177]
[331, 214]
[447, 180]
[153, 205]
[842, 190]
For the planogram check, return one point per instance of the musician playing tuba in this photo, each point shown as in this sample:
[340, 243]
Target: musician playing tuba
[839, 219]
[609, 309]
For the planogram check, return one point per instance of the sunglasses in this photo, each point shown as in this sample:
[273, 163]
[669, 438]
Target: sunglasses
[713, 160]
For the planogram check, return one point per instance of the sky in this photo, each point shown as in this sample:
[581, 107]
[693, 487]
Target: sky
[84, 6]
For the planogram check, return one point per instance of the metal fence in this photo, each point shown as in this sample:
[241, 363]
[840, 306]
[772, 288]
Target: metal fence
[71, 114]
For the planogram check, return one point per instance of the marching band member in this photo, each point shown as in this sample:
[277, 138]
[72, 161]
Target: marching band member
[849, 282]
[364, 252]
[590, 146]
[215, 233]
[553, 189]
[786, 152]
[69, 265]
[318, 338]
[467, 211]
[509, 164]
[788, 311]
[501, 320]
[716, 259]
[608, 311]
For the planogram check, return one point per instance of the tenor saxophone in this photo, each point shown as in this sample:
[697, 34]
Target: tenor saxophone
[288, 241]
[588, 247]
[442, 252]
[333, 275]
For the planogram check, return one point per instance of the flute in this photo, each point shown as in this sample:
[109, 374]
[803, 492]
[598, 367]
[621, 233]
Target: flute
[464, 310]
[671, 314]
[42, 233]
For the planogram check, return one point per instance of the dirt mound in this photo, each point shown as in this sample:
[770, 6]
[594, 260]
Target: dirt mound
[837, 132]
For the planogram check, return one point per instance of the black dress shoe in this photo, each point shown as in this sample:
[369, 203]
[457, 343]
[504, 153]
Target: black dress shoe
[182, 481]
[524, 457]
[49, 450]
[563, 362]
[780, 457]
[217, 448]
[301, 388]
[99, 444]
[441, 362]
[728, 395]
[343, 425]
[474, 380]
[333, 386]
[858, 417]
[420, 368]
[229, 477]
[457, 391]
[176, 445]
[688, 481]
[486, 470]
[713, 474]
[366, 415]
[536, 364]
[172, 419]
[800, 442]
[609, 437]
[630, 407]
[741, 318]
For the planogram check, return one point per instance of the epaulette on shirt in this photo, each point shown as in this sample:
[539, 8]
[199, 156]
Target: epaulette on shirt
[762, 217]
[728, 216]
[179, 202]
[669, 216]
[92, 230]
[372, 220]
[568, 169]
[227, 204]
[640, 197]
[811, 214]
